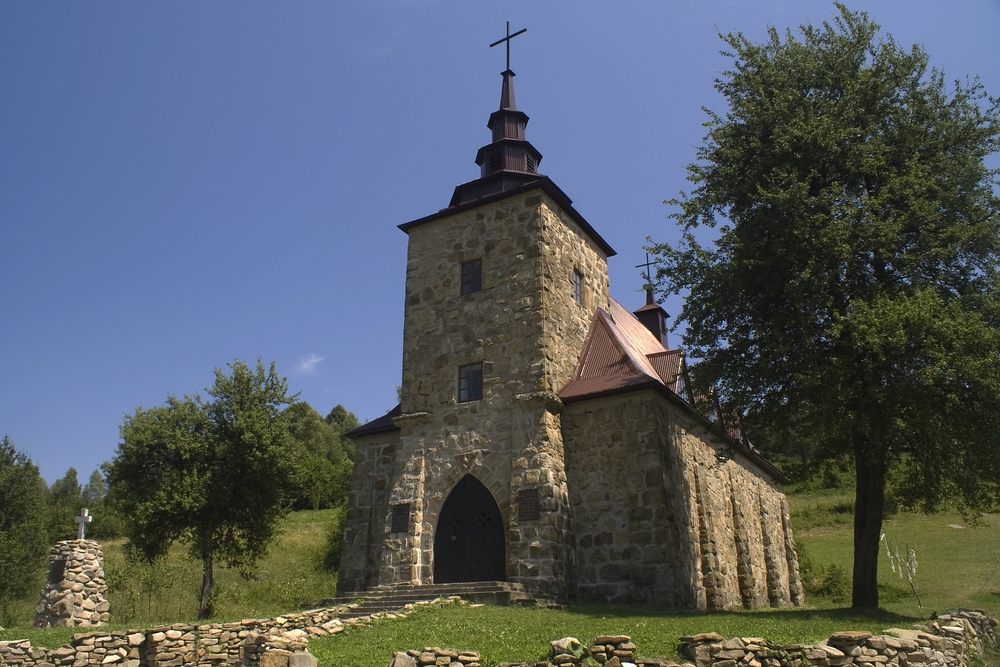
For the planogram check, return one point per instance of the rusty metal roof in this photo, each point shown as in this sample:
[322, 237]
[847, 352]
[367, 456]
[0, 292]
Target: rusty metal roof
[620, 353]
[668, 367]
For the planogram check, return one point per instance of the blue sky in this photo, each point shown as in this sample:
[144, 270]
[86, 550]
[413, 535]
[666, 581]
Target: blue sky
[187, 183]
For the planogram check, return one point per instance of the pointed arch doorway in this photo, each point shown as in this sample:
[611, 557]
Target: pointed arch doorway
[469, 542]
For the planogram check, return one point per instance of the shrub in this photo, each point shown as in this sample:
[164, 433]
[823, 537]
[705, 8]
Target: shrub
[335, 540]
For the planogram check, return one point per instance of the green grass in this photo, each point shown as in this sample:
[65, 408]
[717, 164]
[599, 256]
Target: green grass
[508, 634]
[167, 592]
[954, 563]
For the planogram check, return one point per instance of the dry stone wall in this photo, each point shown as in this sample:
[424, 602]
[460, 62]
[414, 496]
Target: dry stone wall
[949, 641]
[75, 593]
[245, 642]
[270, 642]
[946, 642]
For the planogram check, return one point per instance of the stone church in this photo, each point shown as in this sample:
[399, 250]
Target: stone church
[543, 436]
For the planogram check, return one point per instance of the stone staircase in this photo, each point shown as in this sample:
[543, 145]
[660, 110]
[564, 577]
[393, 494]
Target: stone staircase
[390, 598]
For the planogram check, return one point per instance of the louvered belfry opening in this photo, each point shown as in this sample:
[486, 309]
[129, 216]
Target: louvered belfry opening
[509, 161]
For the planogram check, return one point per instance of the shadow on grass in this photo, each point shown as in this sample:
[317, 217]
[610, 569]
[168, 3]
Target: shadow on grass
[800, 614]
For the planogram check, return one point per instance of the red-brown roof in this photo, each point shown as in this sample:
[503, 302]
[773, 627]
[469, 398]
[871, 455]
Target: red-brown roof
[620, 353]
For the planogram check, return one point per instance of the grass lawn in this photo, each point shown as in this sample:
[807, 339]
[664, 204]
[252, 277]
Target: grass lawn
[167, 592]
[957, 567]
[508, 634]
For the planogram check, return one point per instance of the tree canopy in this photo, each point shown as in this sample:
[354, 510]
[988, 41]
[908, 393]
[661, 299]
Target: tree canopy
[23, 540]
[850, 293]
[327, 456]
[216, 474]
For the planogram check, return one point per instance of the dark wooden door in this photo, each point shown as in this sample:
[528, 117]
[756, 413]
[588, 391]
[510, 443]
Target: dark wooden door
[469, 543]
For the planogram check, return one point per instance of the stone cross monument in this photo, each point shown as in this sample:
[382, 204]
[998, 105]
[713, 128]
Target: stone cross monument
[75, 593]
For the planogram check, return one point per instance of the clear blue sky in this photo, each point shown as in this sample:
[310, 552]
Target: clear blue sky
[187, 183]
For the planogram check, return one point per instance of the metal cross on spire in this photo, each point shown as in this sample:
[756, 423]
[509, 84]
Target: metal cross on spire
[507, 39]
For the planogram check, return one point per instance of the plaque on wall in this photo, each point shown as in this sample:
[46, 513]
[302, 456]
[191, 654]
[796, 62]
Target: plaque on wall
[401, 518]
[527, 505]
[57, 570]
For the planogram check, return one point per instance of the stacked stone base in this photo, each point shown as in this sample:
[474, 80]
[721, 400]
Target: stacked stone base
[75, 593]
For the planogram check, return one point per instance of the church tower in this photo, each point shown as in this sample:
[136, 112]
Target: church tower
[501, 287]
[542, 438]
[500, 290]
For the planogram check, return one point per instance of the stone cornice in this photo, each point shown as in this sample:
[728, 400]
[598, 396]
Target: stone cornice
[412, 418]
[549, 399]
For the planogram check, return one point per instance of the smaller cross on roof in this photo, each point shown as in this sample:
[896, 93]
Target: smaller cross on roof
[648, 274]
[82, 522]
[507, 39]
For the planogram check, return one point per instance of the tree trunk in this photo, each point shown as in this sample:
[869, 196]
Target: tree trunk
[207, 583]
[870, 470]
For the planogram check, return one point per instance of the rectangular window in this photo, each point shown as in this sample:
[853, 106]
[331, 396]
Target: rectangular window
[472, 276]
[578, 287]
[470, 382]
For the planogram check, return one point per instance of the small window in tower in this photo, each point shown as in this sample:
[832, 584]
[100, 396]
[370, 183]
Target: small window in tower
[578, 287]
[472, 276]
[470, 382]
[495, 163]
[532, 167]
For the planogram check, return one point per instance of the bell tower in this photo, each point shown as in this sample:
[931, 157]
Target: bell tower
[500, 289]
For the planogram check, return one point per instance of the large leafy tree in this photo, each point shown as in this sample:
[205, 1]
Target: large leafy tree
[216, 474]
[23, 540]
[850, 291]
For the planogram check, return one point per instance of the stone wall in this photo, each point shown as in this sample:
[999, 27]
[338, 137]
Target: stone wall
[665, 515]
[367, 507]
[245, 642]
[75, 593]
[945, 642]
[526, 329]
[948, 641]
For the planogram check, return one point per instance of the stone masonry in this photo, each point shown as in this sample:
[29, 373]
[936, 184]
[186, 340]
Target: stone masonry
[75, 593]
[512, 439]
[668, 516]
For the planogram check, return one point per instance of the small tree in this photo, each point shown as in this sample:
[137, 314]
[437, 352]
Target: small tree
[65, 502]
[327, 456]
[852, 291]
[23, 541]
[216, 475]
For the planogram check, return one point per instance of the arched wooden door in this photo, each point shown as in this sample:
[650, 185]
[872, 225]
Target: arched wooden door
[469, 543]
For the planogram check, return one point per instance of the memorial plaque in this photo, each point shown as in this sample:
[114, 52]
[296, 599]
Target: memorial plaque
[527, 505]
[57, 570]
[401, 518]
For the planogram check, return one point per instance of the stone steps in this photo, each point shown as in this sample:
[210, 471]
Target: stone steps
[390, 598]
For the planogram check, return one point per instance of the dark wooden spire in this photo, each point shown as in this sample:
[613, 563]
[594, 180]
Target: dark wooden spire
[508, 161]
[653, 317]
